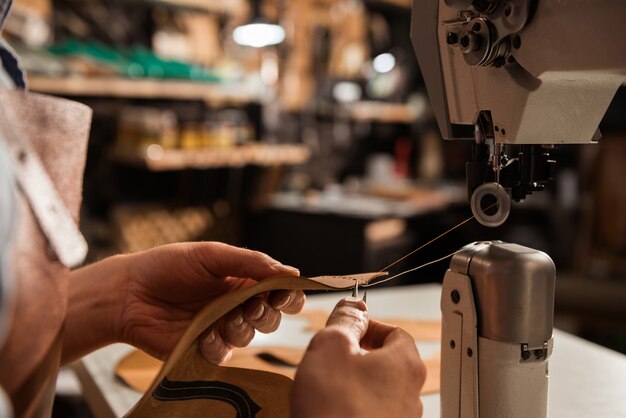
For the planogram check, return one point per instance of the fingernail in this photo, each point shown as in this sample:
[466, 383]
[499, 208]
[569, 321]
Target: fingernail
[293, 270]
[238, 320]
[285, 302]
[354, 302]
[210, 338]
[283, 267]
[258, 312]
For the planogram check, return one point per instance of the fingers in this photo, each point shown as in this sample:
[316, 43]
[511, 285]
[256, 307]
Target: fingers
[213, 347]
[236, 331]
[258, 313]
[392, 345]
[287, 301]
[351, 314]
[224, 260]
[237, 328]
[345, 327]
[376, 335]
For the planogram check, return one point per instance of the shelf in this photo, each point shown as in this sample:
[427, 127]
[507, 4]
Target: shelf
[371, 111]
[141, 89]
[406, 4]
[229, 7]
[168, 160]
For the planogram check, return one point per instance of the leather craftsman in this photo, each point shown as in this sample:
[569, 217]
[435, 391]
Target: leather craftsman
[203, 384]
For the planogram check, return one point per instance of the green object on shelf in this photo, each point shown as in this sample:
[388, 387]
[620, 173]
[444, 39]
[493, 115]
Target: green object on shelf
[136, 62]
[159, 68]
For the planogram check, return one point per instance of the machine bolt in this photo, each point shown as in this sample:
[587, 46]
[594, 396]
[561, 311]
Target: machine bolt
[465, 41]
[452, 344]
[470, 42]
[525, 355]
[456, 297]
[470, 353]
[508, 10]
[452, 38]
[539, 353]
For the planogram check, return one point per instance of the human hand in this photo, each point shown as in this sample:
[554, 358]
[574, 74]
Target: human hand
[334, 380]
[165, 287]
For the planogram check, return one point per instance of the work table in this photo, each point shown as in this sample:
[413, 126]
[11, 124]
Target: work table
[586, 380]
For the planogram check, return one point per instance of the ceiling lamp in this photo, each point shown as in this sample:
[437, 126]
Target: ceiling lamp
[258, 32]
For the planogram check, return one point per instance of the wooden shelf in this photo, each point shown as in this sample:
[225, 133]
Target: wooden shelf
[382, 112]
[142, 88]
[229, 7]
[406, 4]
[168, 160]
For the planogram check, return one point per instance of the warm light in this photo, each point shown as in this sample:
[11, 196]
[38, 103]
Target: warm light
[346, 92]
[155, 152]
[258, 35]
[384, 63]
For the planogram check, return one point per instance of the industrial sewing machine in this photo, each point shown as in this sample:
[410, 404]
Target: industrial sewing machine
[516, 77]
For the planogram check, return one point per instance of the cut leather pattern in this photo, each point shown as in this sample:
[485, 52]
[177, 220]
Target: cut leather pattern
[186, 364]
[233, 395]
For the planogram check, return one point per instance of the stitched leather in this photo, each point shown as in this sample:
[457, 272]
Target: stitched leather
[185, 364]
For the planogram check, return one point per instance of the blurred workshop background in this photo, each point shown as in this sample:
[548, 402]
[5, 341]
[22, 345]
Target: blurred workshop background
[307, 135]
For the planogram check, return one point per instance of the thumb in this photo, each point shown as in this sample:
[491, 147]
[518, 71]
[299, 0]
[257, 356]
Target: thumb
[224, 260]
[345, 327]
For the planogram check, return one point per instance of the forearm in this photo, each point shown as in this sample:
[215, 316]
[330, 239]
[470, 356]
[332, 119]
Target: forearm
[96, 294]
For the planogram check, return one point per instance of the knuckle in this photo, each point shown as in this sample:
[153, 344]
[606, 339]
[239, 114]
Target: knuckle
[417, 371]
[349, 315]
[269, 322]
[332, 337]
[259, 257]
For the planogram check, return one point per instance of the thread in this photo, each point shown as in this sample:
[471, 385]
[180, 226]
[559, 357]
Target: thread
[395, 276]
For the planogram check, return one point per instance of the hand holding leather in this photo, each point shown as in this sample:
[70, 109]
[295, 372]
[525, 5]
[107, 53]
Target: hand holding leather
[335, 380]
[163, 288]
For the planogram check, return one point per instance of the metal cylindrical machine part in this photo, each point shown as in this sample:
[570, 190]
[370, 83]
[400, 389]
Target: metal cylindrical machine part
[513, 289]
[508, 386]
[495, 347]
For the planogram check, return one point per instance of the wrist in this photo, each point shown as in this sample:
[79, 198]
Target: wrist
[96, 297]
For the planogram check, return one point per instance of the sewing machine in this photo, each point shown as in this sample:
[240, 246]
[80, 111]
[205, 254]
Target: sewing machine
[516, 77]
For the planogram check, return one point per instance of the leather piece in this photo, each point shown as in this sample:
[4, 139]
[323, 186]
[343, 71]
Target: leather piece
[186, 364]
[420, 330]
[139, 369]
[57, 130]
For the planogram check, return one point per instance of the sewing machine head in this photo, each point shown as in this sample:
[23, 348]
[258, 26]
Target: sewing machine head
[518, 77]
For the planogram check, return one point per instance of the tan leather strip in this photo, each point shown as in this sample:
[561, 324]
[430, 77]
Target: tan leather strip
[185, 363]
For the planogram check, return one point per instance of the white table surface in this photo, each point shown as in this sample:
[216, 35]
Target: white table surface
[586, 380]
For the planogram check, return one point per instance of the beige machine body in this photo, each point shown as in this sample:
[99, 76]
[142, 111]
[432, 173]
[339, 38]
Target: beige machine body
[497, 307]
[547, 70]
[518, 77]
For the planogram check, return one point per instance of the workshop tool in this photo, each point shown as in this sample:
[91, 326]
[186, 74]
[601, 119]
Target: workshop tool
[518, 77]
[497, 306]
